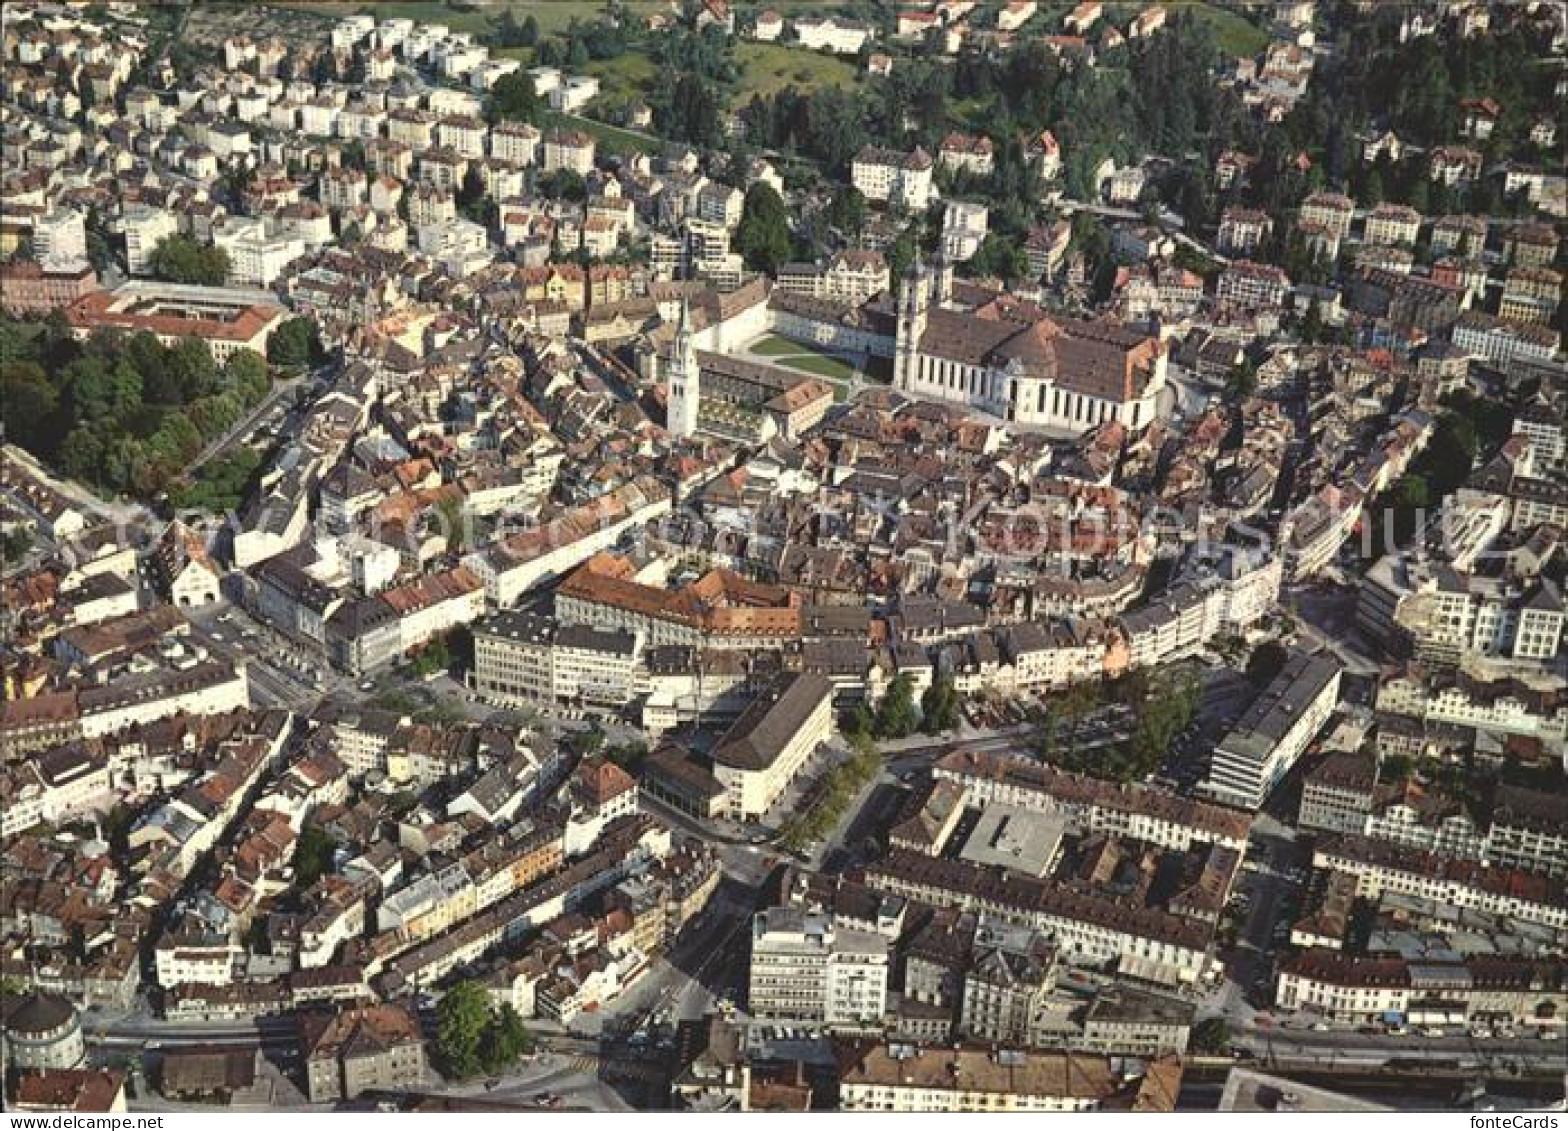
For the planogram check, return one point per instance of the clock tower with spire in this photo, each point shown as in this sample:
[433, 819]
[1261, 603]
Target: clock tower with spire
[684, 380]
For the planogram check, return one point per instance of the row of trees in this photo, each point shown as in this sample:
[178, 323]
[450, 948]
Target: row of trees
[898, 716]
[841, 786]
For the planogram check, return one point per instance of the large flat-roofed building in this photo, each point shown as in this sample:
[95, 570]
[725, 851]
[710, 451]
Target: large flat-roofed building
[1265, 743]
[519, 657]
[805, 967]
[1009, 836]
[765, 748]
[226, 318]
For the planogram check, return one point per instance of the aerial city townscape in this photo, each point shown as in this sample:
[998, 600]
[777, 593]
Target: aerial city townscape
[783, 555]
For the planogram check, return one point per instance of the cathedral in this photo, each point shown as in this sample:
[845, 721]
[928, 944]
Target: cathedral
[1009, 358]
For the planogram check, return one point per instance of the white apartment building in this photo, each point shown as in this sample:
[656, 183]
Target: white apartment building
[1265, 743]
[144, 228]
[520, 658]
[60, 238]
[517, 142]
[889, 177]
[964, 227]
[568, 149]
[805, 968]
[1381, 867]
[255, 258]
[840, 37]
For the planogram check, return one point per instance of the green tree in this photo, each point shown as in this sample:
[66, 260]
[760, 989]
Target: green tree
[939, 707]
[29, 406]
[513, 99]
[245, 375]
[180, 259]
[1242, 381]
[462, 1017]
[194, 372]
[15, 544]
[295, 344]
[896, 715]
[82, 454]
[312, 856]
[762, 237]
[847, 211]
[472, 1036]
[98, 390]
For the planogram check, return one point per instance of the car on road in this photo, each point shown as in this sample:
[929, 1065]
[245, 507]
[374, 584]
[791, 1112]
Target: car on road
[547, 1099]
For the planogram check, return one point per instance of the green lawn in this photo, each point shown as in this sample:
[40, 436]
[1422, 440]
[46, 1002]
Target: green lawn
[767, 68]
[421, 11]
[821, 365]
[626, 77]
[775, 346]
[612, 138]
[552, 16]
[1237, 36]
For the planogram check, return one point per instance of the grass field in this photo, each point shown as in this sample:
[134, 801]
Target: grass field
[805, 359]
[610, 137]
[625, 77]
[767, 68]
[1237, 36]
[552, 16]
[821, 365]
[775, 346]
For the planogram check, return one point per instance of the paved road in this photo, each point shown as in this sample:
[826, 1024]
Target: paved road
[279, 390]
[126, 513]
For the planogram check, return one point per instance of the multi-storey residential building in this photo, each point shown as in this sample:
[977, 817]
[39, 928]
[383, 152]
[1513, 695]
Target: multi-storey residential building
[1356, 990]
[1336, 795]
[967, 153]
[60, 238]
[1086, 927]
[144, 228]
[1093, 806]
[1393, 224]
[1330, 211]
[1252, 285]
[360, 1050]
[568, 149]
[1266, 741]
[1007, 987]
[1496, 339]
[1383, 867]
[807, 968]
[523, 658]
[1531, 294]
[827, 33]
[1242, 231]
[899, 179]
[1462, 236]
[517, 142]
